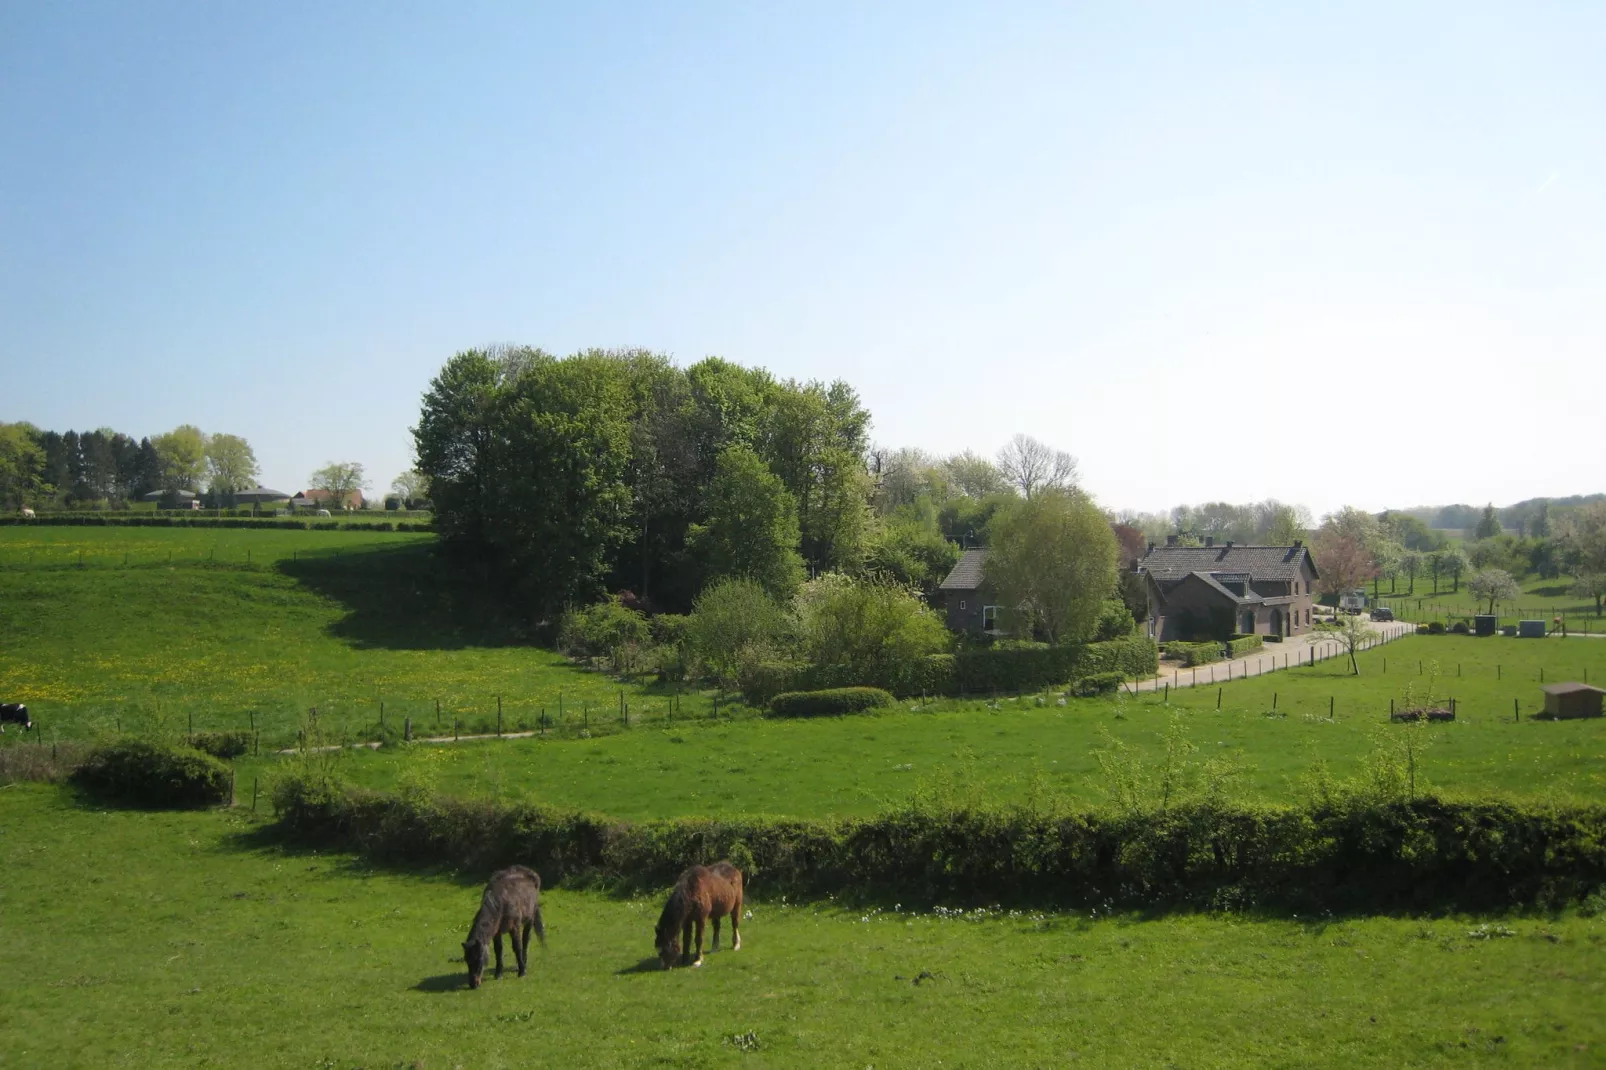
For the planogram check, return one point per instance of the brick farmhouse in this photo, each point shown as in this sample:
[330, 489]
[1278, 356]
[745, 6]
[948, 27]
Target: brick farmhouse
[1210, 591]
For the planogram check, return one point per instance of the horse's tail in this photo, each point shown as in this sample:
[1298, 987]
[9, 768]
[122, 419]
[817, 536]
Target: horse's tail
[540, 929]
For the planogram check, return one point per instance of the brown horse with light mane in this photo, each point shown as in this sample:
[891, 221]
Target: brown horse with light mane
[702, 892]
[511, 904]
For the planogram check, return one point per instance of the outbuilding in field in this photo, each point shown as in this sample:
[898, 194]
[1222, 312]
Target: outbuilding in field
[1565, 701]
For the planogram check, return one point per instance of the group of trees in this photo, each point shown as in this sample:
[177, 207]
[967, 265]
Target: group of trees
[756, 504]
[106, 467]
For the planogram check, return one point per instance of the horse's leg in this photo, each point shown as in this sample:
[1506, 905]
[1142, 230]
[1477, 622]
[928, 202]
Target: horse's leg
[519, 941]
[698, 961]
[715, 945]
[736, 925]
[685, 941]
[527, 927]
[499, 956]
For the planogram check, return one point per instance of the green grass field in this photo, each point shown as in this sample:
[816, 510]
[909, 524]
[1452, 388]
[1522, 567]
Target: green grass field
[265, 959]
[130, 628]
[1540, 600]
[858, 765]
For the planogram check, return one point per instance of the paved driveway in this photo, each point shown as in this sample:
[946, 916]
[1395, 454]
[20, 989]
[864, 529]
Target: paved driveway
[1295, 650]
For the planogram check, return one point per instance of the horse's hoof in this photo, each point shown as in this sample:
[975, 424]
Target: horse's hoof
[696, 964]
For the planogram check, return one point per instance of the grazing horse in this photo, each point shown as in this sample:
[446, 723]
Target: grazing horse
[702, 892]
[14, 713]
[511, 904]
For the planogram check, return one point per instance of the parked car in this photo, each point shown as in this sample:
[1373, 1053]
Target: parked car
[1382, 613]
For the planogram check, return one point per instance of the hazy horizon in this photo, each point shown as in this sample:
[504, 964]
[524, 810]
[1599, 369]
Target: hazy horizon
[1343, 257]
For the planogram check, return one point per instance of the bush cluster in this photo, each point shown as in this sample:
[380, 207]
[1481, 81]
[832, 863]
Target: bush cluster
[1100, 683]
[136, 772]
[1353, 854]
[1194, 653]
[825, 703]
[223, 745]
[982, 671]
[1239, 645]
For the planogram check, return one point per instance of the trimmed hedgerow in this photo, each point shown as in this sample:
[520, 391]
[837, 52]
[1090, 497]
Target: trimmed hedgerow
[223, 745]
[1240, 645]
[1355, 855]
[825, 703]
[122, 520]
[136, 772]
[1194, 653]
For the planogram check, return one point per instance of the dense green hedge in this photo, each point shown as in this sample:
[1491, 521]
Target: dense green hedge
[825, 703]
[136, 772]
[1240, 645]
[1100, 683]
[123, 520]
[223, 745]
[971, 672]
[1428, 855]
[1194, 653]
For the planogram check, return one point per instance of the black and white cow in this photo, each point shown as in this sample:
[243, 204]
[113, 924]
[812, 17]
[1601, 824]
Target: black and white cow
[14, 713]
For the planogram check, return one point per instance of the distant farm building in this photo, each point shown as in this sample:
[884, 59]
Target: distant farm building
[323, 499]
[1211, 591]
[1566, 701]
[968, 598]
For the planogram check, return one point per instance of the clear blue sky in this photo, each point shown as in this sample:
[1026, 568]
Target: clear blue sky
[1184, 242]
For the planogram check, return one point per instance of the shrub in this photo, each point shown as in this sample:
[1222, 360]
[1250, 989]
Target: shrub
[1100, 683]
[1460, 628]
[1115, 621]
[1194, 653]
[733, 619]
[1436, 627]
[223, 745]
[137, 772]
[605, 629]
[1240, 645]
[825, 703]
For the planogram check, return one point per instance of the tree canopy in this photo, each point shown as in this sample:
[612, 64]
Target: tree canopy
[1052, 560]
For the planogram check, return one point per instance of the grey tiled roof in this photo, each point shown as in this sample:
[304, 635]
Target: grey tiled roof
[967, 575]
[1260, 562]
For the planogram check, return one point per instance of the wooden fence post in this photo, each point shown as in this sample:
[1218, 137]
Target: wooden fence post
[1218, 698]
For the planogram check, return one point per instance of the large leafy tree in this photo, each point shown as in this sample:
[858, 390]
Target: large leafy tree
[870, 625]
[231, 464]
[1581, 545]
[183, 454]
[1052, 560]
[22, 466]
[340, 480]
[751, 531]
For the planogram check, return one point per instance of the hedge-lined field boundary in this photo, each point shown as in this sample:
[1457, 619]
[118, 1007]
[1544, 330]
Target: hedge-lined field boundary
[1355, 856]
[118, 521]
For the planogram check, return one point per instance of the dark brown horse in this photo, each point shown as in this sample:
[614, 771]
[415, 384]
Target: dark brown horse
[702, 892]
[511, 904]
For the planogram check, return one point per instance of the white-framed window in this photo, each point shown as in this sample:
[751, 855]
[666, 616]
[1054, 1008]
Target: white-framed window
[961, 603]
[989, 618]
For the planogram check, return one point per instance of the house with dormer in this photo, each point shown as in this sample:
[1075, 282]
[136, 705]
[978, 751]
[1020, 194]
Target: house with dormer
[1220, 589]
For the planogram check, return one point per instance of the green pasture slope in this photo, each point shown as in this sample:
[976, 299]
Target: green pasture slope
[107, 628]
[263, 958]
[1541, 599]
[1017, 749]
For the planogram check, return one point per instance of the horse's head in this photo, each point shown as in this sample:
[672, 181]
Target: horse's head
[474, 955]
[668, 940]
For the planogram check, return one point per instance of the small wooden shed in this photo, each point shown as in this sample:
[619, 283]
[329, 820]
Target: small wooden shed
[1572, 700]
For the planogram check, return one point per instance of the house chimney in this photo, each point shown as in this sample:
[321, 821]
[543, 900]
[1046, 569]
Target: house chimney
[1210, 540]
[1170, 540]
[1229, 544]
[1298, 543]
[1151, 547]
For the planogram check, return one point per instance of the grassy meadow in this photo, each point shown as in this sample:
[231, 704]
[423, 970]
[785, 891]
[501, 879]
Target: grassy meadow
[266, 958]
[147, 628]
[191, 939]
[1541, 599]
[1017, 749]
